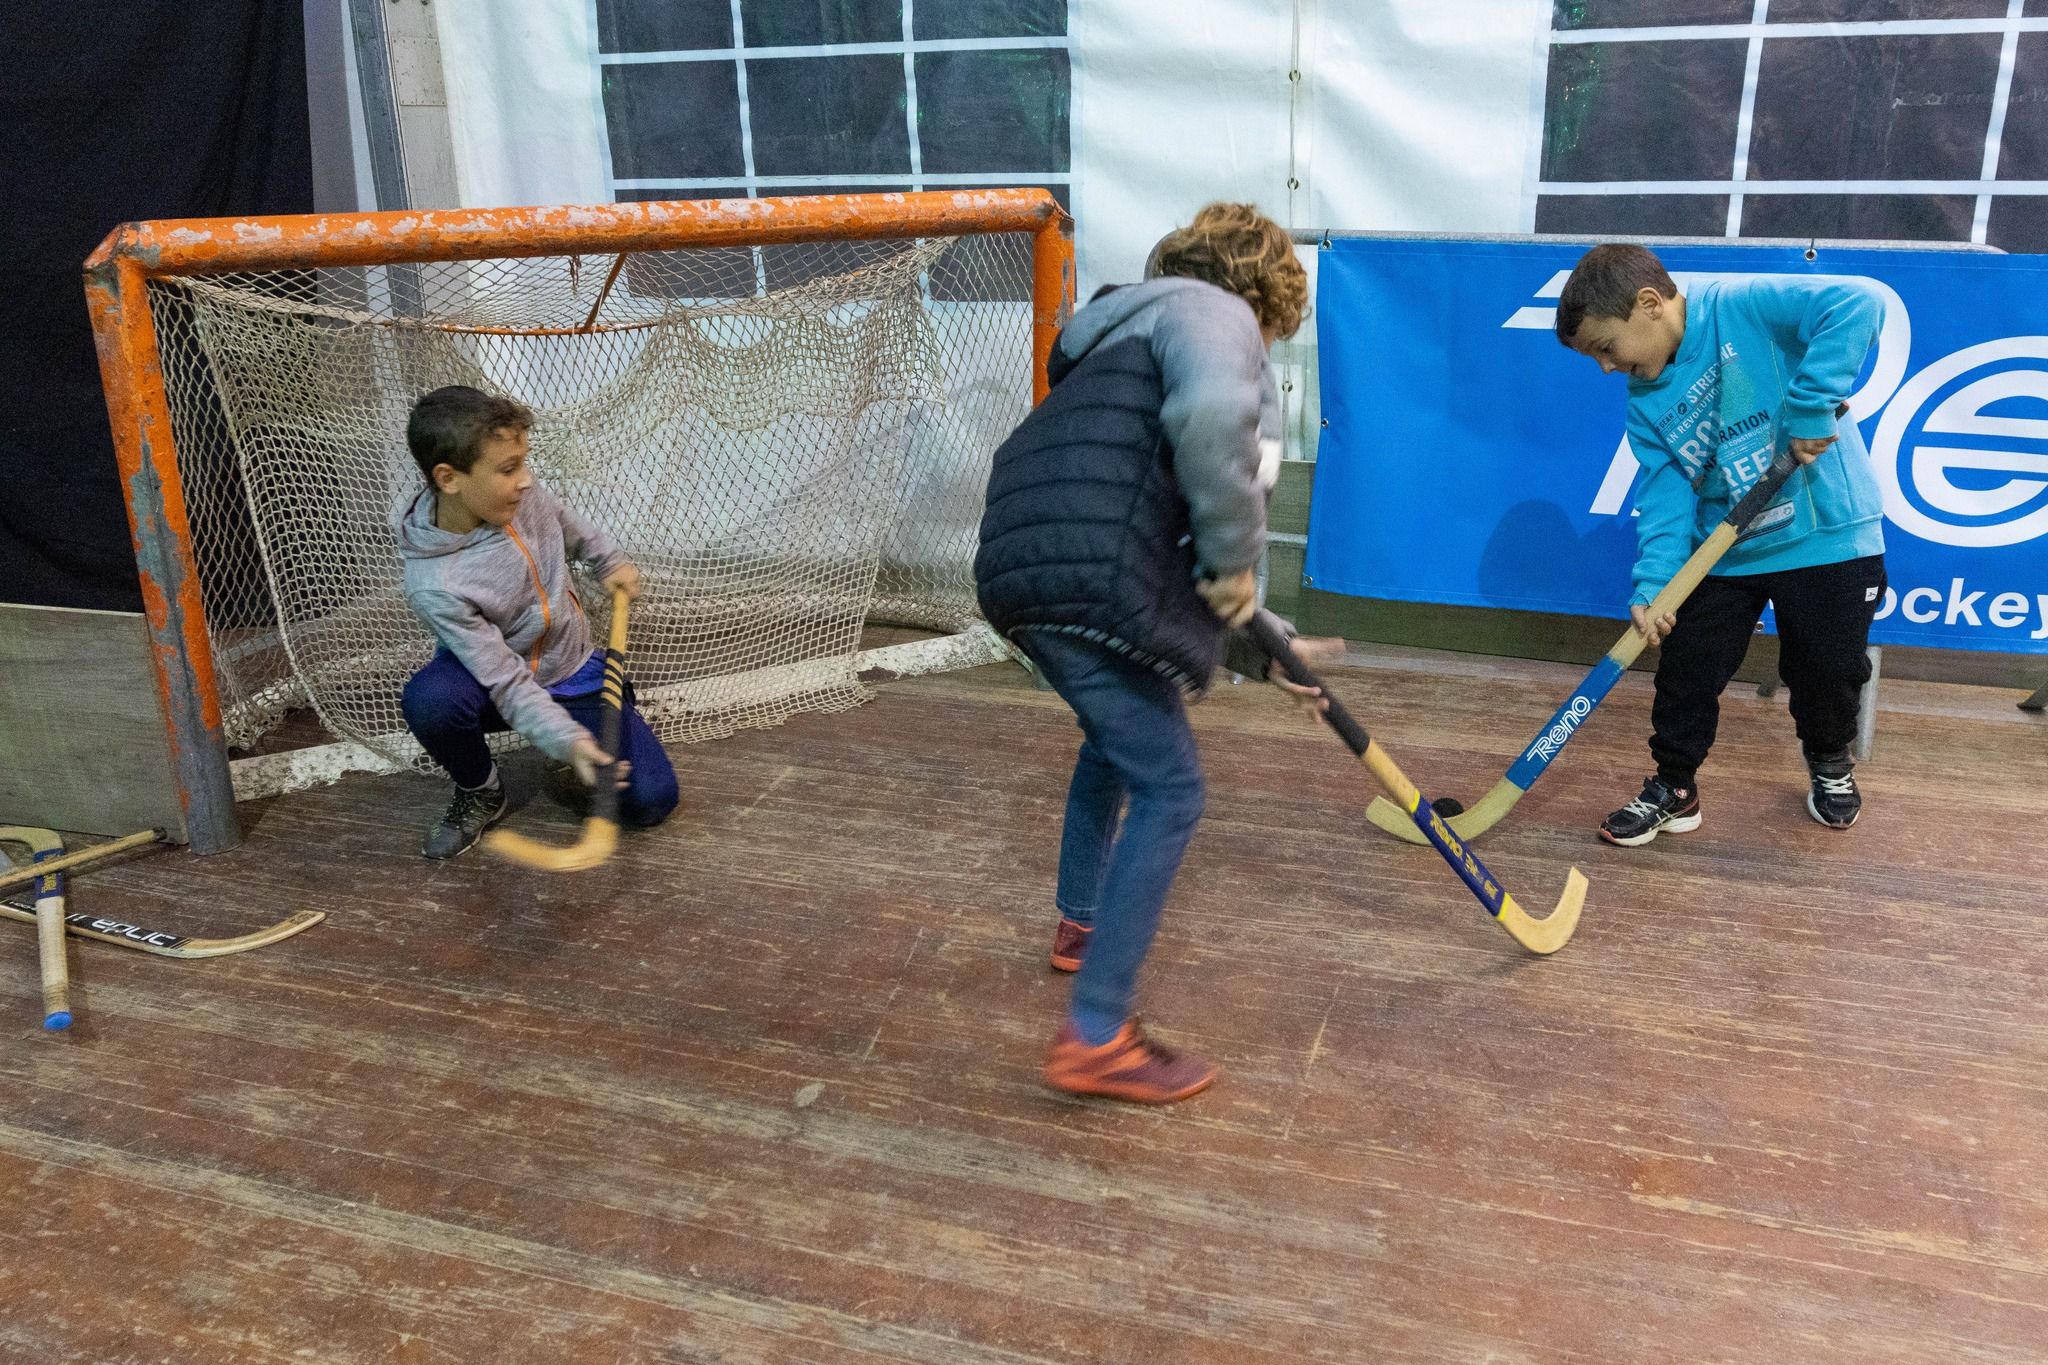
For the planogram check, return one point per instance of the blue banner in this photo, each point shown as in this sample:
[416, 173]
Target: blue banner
[1468, 458]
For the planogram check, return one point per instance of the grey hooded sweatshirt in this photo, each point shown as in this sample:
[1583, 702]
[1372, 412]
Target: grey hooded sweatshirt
[500, 600]
[1222, 410]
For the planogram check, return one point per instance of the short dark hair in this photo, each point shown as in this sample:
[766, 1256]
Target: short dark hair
[449, 425]
[1605, 283]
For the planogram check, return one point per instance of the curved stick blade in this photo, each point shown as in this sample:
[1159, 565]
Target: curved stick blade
[600, 837]
[1466, 824]
[1488, 812]
[1555, 929]
[122, 934]
[1393, 820]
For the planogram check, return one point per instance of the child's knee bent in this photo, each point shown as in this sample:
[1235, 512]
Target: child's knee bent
[649, 800]
[430, 704]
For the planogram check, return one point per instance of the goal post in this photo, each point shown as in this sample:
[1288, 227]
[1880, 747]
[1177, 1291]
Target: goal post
[783, 409]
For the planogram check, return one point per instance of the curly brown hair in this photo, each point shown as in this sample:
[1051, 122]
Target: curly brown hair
[1235, 247]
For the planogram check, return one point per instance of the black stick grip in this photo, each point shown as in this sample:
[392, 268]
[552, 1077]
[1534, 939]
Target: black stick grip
[604, 802]
[1764, 489]
[1267, 637]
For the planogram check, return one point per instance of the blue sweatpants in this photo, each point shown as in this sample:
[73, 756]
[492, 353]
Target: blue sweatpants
[449, 713]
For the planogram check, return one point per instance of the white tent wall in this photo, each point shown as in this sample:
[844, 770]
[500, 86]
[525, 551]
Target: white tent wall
[1408, 114]
[1399, 114]
[1427, 116]
[524, 109]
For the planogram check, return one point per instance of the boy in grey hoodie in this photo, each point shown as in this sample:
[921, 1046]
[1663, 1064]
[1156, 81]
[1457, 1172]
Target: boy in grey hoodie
[486, 553]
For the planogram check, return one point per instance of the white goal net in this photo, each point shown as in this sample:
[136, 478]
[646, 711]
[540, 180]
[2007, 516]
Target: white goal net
[792, 442]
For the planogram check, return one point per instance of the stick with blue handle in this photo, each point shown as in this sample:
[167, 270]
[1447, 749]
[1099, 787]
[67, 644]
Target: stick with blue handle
[1565, 721]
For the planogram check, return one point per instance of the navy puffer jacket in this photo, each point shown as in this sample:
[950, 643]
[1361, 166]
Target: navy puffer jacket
[1146, 466]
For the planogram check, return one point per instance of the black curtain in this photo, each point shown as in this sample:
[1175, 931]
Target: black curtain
[113, 110]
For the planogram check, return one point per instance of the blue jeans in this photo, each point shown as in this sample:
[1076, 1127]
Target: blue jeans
[1116, 862]
[449, 713]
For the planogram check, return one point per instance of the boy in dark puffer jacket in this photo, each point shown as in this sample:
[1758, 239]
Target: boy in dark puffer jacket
[1126, 516]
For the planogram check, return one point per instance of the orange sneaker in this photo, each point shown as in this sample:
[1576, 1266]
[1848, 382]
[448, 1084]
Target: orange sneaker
[1129, 1067]
[1069, 941]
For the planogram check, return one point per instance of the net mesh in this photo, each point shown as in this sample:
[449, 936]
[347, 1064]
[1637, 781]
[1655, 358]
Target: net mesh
[790, 441]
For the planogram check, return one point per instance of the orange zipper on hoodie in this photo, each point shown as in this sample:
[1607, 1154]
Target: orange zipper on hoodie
[547, 616]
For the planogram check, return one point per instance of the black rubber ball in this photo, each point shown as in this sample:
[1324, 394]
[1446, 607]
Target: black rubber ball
[1447, 806]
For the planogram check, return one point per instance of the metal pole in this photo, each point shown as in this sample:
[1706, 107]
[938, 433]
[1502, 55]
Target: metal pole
[124, 333]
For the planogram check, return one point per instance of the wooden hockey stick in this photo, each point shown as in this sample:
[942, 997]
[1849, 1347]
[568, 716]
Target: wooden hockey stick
[601, 828]
[17, 876]
[1565, 722]
[44, 845]
[164, 944]
[1545, 935]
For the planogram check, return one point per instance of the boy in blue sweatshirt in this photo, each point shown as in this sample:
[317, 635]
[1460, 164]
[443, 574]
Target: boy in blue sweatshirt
[486, 552]
[1718, 381]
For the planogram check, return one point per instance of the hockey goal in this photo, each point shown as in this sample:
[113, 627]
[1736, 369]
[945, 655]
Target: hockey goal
[783, 409]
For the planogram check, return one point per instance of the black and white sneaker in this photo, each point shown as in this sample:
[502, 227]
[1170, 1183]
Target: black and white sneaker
[1661, 809]
[1833, 799]
[473, 811]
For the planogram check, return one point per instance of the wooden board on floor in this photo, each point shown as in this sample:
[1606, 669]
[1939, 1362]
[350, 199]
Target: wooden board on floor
[82, 742]
[764, 1087]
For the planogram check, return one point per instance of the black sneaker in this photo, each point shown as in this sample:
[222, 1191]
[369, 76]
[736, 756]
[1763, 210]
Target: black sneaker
[1661, 809]
[471, 813]
[1833, 799]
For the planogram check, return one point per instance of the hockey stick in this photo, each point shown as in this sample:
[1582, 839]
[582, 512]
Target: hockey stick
[43, 845]
[16, 876]
[1545, 935]
[1565, 722]
[601, 827]
[163, 944]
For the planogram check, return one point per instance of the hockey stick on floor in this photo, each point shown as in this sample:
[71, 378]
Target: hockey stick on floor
[601, 828]
[164, 944]
[1545, 935]
[16, 876]
[44, 845]
[1564, 723]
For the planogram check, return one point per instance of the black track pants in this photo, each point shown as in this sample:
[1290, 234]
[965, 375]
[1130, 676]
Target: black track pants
[1823, 629]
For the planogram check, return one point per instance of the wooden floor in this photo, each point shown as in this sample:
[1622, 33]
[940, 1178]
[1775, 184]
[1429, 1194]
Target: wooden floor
[764, 1088]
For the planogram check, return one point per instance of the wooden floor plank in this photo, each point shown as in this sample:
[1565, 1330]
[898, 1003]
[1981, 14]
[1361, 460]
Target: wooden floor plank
[764, 1086]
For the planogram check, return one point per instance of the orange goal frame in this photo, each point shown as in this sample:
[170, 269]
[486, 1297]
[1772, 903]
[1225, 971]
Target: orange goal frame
[124, 332]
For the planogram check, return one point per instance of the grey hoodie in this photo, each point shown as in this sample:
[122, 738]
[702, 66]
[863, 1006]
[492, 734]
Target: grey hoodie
[500, 600]
[1222, 410]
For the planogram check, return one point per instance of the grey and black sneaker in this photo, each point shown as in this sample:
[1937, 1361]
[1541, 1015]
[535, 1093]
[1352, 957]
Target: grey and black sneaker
[1833, 799]
[473, 811]
[1661, 809]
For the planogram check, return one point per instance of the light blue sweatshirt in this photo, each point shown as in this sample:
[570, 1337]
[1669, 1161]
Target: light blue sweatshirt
[1763, 360]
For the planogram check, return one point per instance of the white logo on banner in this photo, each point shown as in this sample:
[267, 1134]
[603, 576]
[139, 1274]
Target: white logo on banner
[1987, 510]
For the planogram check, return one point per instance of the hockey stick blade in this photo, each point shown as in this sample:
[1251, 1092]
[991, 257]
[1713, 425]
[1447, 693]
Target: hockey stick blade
[1565, 721]
[598, 840]
[601, 831]
[125, 935]
[1539, 935]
